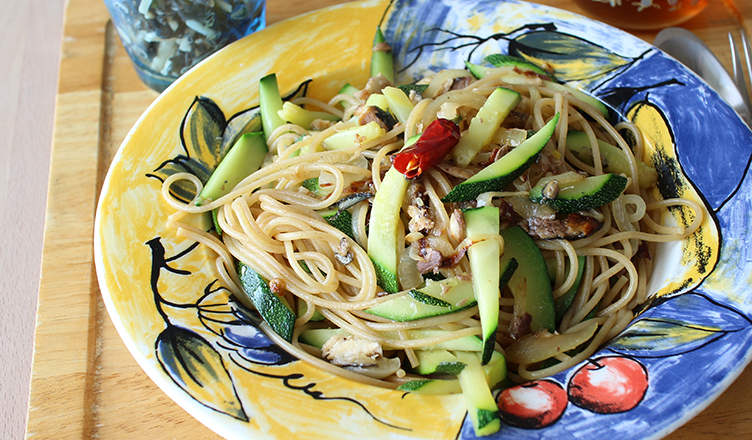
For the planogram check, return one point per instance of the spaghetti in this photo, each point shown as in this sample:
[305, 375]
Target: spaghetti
[273, 221]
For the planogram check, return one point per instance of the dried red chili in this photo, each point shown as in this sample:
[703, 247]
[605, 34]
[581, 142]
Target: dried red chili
[430, 149]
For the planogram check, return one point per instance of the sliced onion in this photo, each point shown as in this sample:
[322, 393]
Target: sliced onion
[510, 136]
[384, 367]
[542, 345]
[622, 220]
[407, 271]
[527, 209]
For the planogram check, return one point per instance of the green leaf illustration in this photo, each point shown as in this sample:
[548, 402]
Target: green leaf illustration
[206, 135]
[197, 368]
[201, 132]
[572, 58]
[246, 121]
[202, 140]
[650, 337]
[182, 190]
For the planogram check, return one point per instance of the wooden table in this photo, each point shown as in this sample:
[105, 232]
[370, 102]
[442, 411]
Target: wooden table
[85, 384]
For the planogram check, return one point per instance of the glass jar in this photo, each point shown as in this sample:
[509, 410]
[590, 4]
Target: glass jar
[165, 38]
[643, 14]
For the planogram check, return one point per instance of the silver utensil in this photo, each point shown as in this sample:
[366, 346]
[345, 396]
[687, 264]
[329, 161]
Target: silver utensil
[739, 77]
[691, 51]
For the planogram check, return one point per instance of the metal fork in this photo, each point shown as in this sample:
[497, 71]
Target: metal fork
[736, 63]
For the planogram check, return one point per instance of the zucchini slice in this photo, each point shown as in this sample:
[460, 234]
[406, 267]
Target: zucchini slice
[588, 193]
[483, 224]
[273, 308]
[448, 362]
[478, 71]
[428, 301]
[378, 100]
[481, 406]
[244, 158]
[318, 336]
[432, 386]
[483, 126]
[382, 61]
[399, 104]
[507, 266]
[509, 167]
[500, 60]
[438, 362]
[302, 308]
[467, 343]
[613, 159]
[341, 220]
[297, 115]
[417, 88]
[354, 136]
[347, 89]
[530, 281]
[495, 371]
[382, 229]
[270, 103]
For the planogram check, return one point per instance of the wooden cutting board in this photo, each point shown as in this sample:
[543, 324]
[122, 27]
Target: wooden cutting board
[85, 384]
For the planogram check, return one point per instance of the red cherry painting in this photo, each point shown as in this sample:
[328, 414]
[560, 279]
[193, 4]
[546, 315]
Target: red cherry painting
[609, 385]
[532, 405]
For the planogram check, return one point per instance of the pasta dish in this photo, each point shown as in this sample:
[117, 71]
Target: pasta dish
[480, 227]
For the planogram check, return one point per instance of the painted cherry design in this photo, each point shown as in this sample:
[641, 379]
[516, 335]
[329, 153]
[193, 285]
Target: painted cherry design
[532, 405]
[609, 385]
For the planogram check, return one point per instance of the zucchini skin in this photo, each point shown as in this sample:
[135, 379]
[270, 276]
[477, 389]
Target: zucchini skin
[425, 302]
[484, 256]
[509, 167]
[531, 279]
[476, 389]
[593, 192]
[243, 159]
[438, 361]
[271, 307]
[386, 278]
[431, 386]
[270, 103]
[341, 220]
[382, 61]
[500, 60]
[382, 234]
[421, 297]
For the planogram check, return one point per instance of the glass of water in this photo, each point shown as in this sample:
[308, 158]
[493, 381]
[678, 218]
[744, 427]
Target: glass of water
[165, 38]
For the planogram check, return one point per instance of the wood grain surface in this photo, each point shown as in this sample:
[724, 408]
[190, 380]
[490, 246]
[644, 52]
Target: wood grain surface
[85, 384]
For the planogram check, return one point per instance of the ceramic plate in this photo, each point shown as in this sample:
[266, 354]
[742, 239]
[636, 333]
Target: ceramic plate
[205, 350]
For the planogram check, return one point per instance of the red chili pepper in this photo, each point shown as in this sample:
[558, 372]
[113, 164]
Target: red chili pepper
[430, 149]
